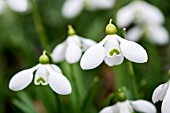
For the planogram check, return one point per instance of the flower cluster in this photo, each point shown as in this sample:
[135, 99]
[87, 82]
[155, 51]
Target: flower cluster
[73, 8]
[147, 19]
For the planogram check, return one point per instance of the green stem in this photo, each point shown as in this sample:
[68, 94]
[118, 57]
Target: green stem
[73, 76]
[133, 79]
[38, 24]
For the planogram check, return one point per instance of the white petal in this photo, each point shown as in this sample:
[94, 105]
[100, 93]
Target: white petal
[149, 13]
[115, 60]
[100, 4]
[158, 34]
[56, 68]
[41, 76]
[143, 106]
[93, 57]
[134, 34]
[160, 92]
[165, 104]
[59, 52]
[73, 53]
[18, 5]
[72, 8]
[125, 107]
[22, 79]
[86, 43]
[133, 51]
[110, 109]
[59, 83]
[125, 16]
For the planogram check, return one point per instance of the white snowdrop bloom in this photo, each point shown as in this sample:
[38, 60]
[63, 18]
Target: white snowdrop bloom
[147, 19]
[112, 49]
[45, 74]
[18, 5]
[162, 93]
[139, 12]
[128, 106]
[71, 49]
[72, 8]
[155, 33]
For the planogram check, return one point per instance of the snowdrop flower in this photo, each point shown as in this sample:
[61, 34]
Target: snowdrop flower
[71, 49]
[15, 5]
[162, 93]
[45, 74]
[147, 19]
[72, 8]
[112, 49]
[127, 106]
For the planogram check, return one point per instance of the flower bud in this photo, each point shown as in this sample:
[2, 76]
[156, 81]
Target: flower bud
[121, 95]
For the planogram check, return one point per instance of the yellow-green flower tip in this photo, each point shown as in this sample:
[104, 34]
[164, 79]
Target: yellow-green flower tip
[43, 59]
[71, 31]
[121, 96]
[111, 29]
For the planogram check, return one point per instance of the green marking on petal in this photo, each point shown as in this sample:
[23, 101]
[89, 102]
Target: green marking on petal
[114, 51]
[40, 80]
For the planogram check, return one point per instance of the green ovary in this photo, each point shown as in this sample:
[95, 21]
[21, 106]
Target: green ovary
[114, 51]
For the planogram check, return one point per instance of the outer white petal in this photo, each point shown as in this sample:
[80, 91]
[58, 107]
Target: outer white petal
[22, 79]
[100, 4]
[73, 53]
[134, 34]
[74, 39]
[143, 106]
[125, 16]
[133, 51]
[93, 57]
[86, 43]
[58, 82]
[18, 5]
[158, 34]
[125, 107]
[56, 68]
[165, 104]
[41, 76]
[110, 109]
[59, 52]
[72, 8]
[160, 92]
[149, 13]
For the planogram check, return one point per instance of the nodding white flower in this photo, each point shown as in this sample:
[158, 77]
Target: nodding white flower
[15, 5]
[128, 106]
[147, 19]
[72, 8]
[162, 93]
[45, 74]
[71, 49]
[112, 49]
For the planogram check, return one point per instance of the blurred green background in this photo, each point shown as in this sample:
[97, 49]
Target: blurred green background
[21, 45]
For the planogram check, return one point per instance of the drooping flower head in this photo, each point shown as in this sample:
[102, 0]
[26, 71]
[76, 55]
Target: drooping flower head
[45, 74]
[73, 8]
[127, 106]
[112, 49]
[162, 93]
[71, 49]
[147, 19]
